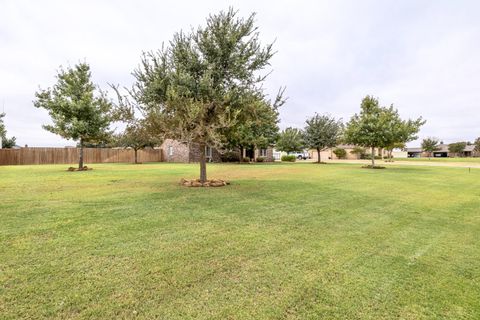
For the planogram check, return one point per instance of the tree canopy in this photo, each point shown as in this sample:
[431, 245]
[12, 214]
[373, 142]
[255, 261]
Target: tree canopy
[380, 127]
[430, 145]
[6, 142]
[457, 147]
[290, 140]
[79, 110]
[321, 132]
[199, 86]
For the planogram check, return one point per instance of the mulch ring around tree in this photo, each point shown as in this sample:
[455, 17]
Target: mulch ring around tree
[208, 183]
[84, 168]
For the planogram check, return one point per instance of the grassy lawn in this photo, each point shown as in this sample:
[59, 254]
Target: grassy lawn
[283, 241]
[468, 159]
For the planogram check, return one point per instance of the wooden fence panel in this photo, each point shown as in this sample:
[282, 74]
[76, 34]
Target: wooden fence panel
[25, 156]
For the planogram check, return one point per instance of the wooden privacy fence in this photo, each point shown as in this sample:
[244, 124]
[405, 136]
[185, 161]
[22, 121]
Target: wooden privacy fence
[70, 155]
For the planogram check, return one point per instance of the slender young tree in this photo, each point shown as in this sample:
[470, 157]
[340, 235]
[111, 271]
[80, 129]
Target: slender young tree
[290, 140]
[5, 142]
[379, 127]
[79, 110]
[322, 132]
[201, 85]
[430, 145]
[137, 137]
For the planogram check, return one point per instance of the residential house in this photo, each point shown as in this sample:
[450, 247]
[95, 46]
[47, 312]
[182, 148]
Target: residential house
[328, 154]
[176, 151]
[442, 152]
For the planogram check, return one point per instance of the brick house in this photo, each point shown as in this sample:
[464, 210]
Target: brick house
[176, 151]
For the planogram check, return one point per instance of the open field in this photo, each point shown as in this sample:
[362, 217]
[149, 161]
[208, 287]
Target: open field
[474, 163]
[458, 159]
[284, 241]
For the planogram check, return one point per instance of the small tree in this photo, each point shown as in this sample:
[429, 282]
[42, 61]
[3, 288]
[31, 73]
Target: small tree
[379, 127]
[390, 148]
[290, 140]
[322, 132]
[477, 145]
[430, 145]
[137, 137]
[359, 152]
[340, 153]
[77, 112]
[6, 142]
[457, 147]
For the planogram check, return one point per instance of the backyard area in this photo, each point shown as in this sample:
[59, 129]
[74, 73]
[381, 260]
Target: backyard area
[283, 241]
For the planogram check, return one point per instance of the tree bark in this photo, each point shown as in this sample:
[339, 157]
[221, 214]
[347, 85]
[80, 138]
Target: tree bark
[373, 156]
[80, 158]
[203, 164]
[318, 152]
[136, 158]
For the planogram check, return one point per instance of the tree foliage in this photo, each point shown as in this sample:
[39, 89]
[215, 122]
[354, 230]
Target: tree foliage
[6, 142]
[79, 110]
[430, 145]
[457, 147]
[204, 82]
[290, 140]
[477, 145]
[321, 132]
[137, 137]
[380, 127]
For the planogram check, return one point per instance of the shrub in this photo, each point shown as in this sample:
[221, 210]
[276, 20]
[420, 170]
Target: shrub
[230, 156]
[260, 159]
[245, 159]
[289, 158]
[340, 153]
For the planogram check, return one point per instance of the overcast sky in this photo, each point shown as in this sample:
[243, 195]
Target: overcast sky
[422, 56]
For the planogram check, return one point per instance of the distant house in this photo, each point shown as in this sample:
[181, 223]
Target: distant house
[328, 154]
[441, 152]
[176, 151]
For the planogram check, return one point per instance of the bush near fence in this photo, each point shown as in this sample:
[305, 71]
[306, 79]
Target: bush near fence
[70, 155]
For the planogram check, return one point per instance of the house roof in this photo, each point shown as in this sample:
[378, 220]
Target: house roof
[441, 148]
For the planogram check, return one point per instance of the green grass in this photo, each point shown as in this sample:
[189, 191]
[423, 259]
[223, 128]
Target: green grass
[283, 241]
[466, 159]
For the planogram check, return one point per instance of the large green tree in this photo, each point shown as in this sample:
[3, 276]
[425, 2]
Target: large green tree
[290, 140]
[379, 127]
[203, 82]
[6, 142]
[321, 132]
[430, 145]
[79, 110]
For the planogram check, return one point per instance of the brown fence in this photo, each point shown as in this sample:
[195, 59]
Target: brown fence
[70, 155]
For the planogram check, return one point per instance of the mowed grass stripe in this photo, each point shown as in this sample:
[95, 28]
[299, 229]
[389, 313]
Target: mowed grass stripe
[288, 241]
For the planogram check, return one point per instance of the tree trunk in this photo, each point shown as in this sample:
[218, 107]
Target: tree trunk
[203, 164]
[136, 158]
[80, 158]
[373, 156]
[318, 152]
[241, 153]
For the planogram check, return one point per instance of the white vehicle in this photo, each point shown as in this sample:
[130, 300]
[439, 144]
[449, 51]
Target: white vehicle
[300, 155]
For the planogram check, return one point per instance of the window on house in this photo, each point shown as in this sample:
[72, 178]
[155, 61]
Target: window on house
[263, 152]
[170, 150]
[208, 152]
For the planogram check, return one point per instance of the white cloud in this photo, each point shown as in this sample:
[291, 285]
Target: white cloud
[420, 55]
